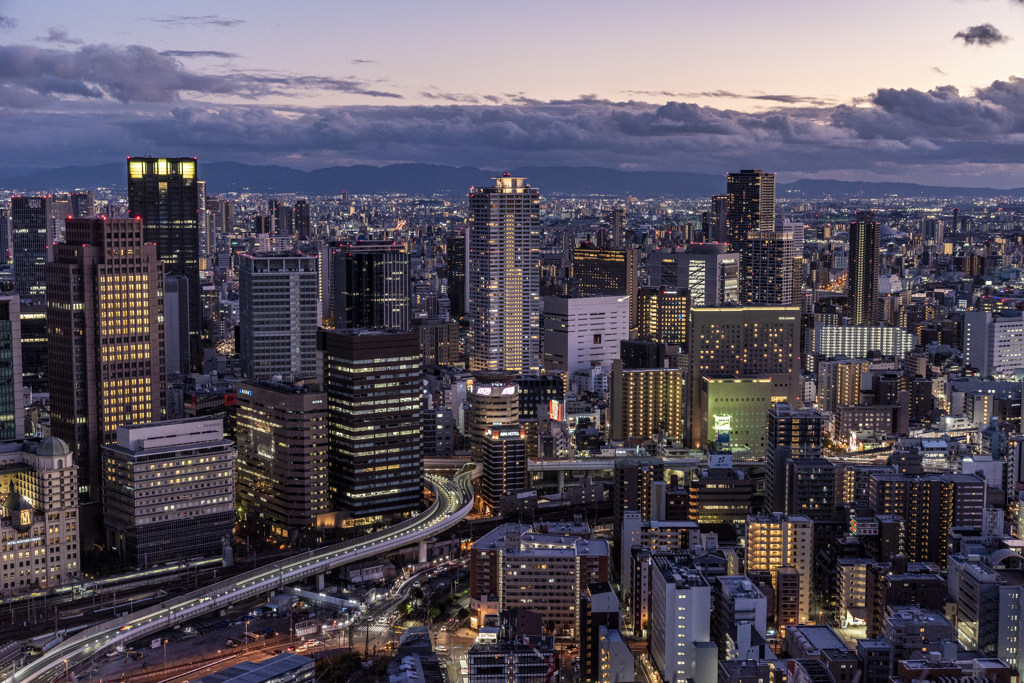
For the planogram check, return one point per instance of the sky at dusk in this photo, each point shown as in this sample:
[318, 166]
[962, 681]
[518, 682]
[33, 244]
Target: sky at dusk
[927, 91]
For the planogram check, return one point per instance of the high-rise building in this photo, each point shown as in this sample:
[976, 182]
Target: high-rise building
[993, 343]
[581, 333]
[743, 342]
[151, 517]
[39, 524]
[455, 262]
[279, 313]
[732, 410]
[766, 272]
[933, 232]
[105, 307]
[646, 403]
[34, 348]
[862, 279]
[792, 433]
[503, 276]
[664, 315]
[176, 322]
[31, 240]
[495, 436]
[751, 206]
[83, 205]
[371, 286]
[12, 398]
[604, 655]
[303, 220]
[164, 194]
[776, 542]
[281, 432]
[374, 399]
[839, 383]
[618, 227]
[717, 229]
[606, 272]
[708, 271]
[810, 488]
[680, 613]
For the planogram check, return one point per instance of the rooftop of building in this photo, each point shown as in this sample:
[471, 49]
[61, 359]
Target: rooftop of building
[257, 672]
[679, 572]
[281, 386]
[739, 586]
[540, 544]
[815, 637]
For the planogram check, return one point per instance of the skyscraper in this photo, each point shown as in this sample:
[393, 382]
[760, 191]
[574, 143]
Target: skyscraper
[303, 220]
[766, 272]
[717, 229]
[751, 205]
[164, 194]
[862, 280]
[792, 434]
[607, 272]
[710, 273]
[503, 276]
[32, 237]
[374, 420]
[618, 225]
[12, 399]
[455, 262]
[371, 286]
[278, 315]
[664, 315]
[105, 308]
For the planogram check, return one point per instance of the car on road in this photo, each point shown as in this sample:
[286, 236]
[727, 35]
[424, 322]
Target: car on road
[441, 648]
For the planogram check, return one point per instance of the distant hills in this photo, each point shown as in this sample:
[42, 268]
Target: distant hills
[425, 179]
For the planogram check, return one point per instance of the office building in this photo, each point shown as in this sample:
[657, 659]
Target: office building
[12, 395]
[607, 272]
[439, 341]
[751, 206]
[720, 494]
[933, 232]
[169, 491]
[526, 658]
[779, 542]
[732, 410]
[83, 204]
[862, 277]
[176, 322]
[743, 342]
[105, 309]
[680, 617]
[646, 403]
[739, 621]
[708, 271]
[810, 488]
[35, 353]
[993, 343]
[911, 629]
[791, 433]
[281, 432]
[164, 193]
[767, 277]
[496, 438]
[543, 569]
[278, 315]
[371, 286]
[632, 488]
[857, 342]
[373, 381]
[716, 228]
[303, 220]
[39, 541]
[455, 263]
[583, 333]
[503, 278]
[664, 315]
[31, 239]
[617, 223]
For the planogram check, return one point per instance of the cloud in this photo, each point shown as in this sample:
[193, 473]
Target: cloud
[60, 36]
[189, 54]
[197, 21]
[358, 62]
[136, 73]
[725, 94]
[940, 71]
[7, 22]
[983, 34]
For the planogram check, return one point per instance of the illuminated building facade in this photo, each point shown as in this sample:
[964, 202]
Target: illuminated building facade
[582, 333]
[12, 398]
[503, 453]
[39, 544]
[279, 313]
[766, 269]
[792, 433]
[503, 277]
[708, 271]
[607, 272]
[105, 310]
[856, 342]
[862, 280]
[169, 491]
[165, 194]
[373, 381]
[734, 410]
[779, 541]
[839, 383]
[743, 341]
[664, 315]
[281, 432]
[751, 205]
[371, 286]
[455, 263]
[646, 402]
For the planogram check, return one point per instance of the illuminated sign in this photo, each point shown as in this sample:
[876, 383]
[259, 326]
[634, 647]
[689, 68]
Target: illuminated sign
[555, 411]
[723, 423]
[508, 391]
[483, 391]
[505, 433]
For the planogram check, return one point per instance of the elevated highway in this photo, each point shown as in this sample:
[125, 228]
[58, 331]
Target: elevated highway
[453, 501]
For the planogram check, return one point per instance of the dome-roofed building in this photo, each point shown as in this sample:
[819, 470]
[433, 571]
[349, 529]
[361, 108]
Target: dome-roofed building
[38, 514]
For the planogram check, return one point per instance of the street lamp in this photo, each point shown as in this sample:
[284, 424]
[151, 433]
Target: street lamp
[245, 642]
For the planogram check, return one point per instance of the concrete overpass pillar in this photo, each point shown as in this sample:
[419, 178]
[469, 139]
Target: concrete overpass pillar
[561, 481]
[319, 582]
[423, 552]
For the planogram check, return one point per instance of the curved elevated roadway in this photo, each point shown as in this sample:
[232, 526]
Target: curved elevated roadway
[453, 501]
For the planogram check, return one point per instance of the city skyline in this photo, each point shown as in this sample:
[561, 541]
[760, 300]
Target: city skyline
[107, 78]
